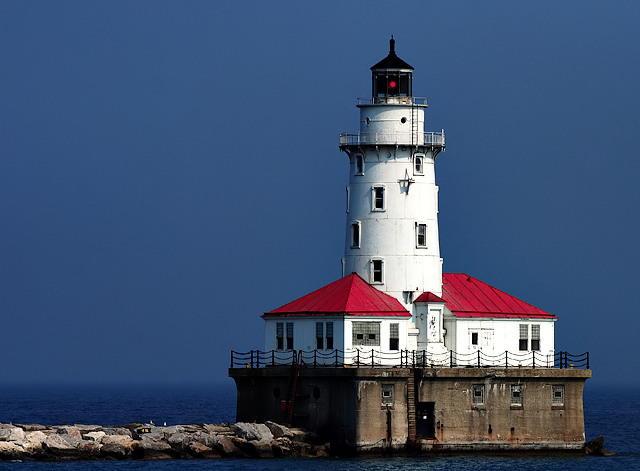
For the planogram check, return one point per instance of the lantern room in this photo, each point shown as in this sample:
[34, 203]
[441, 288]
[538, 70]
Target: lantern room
[391, 77]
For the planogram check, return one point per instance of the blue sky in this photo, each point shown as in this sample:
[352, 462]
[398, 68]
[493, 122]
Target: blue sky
[170, 170]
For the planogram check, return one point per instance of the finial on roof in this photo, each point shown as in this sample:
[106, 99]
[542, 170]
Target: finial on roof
[392, 45]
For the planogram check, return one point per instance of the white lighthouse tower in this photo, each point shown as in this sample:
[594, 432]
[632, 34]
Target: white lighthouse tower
[393, 296]
[392, 198]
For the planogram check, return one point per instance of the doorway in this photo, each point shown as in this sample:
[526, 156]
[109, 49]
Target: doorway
[426, 420]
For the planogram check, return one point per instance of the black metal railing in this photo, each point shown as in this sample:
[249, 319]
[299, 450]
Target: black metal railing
[407, 359]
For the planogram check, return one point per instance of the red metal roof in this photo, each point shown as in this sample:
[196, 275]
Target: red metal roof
[429, 297]
[467, 296]
[348, 296]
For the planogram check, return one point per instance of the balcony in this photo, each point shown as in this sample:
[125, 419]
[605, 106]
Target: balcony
[360, 358]
[431, 139]
[393, 100]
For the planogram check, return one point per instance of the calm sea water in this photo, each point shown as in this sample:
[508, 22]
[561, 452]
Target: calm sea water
[614, 413]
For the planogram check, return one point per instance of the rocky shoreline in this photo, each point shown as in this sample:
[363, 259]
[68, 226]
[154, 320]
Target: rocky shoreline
[148, 441]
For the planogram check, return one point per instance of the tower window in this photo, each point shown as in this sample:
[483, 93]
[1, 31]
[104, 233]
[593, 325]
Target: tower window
[355, 234]
[377, 194]
[348, 188]
[421, 235]
[524, 337]
[394, 336]
[418, 164]
[359, 164]
[377, 271]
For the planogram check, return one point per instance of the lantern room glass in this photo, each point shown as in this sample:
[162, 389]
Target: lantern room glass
[391, 83]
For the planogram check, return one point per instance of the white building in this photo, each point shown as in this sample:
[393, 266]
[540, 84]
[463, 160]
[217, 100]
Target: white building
[394, 303]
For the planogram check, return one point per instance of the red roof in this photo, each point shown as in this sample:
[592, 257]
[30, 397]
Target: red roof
[349, 296]
[429, 297]
[469, 297]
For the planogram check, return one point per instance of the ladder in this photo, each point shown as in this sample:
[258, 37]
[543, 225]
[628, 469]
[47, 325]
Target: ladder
[411, 406]
[293, 384]
[415, 124]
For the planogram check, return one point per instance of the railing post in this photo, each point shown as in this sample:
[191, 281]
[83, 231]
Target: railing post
[273, 358]
[372, 358]
[336, 357]
[506, 358]
[450, 358]
[413, 358]
[478, 358]
[315, 357]
[533, 358]
[587, 360]
[358, 358]
[424, 358]
[231, 359]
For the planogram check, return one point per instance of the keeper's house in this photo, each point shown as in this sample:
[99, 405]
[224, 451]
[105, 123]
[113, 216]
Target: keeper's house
[396, 353]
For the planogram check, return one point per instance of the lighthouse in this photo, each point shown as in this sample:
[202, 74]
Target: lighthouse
[392, 197]
[396, 354]
[393, 295]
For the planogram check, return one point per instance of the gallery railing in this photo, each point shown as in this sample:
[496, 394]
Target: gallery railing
[357, 358]
[435, 139]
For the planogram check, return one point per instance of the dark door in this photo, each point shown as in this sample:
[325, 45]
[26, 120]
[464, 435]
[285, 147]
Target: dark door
[426, 420]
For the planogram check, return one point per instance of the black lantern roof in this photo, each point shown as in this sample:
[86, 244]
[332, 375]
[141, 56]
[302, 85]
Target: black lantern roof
[392, 61]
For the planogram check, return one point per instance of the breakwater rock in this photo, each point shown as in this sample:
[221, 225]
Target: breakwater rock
[147, 441]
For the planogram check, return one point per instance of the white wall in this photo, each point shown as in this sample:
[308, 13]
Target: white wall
[304, 332]
[382, 354]
[391, 234]
[304, 336]
[495, 336]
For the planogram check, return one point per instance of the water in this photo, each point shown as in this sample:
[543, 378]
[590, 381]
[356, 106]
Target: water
[614, 413]
[118, 405]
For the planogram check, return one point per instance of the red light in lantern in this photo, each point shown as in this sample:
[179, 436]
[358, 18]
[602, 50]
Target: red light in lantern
[392, 84]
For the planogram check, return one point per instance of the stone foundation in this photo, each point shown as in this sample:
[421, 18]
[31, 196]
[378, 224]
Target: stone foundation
[423, 410]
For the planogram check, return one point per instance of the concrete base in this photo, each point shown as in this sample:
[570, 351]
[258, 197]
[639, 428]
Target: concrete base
[421, 410]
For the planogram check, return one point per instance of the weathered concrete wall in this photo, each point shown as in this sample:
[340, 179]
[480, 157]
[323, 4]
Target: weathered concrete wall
[346, 406]
[325, 399]
[496, 423]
